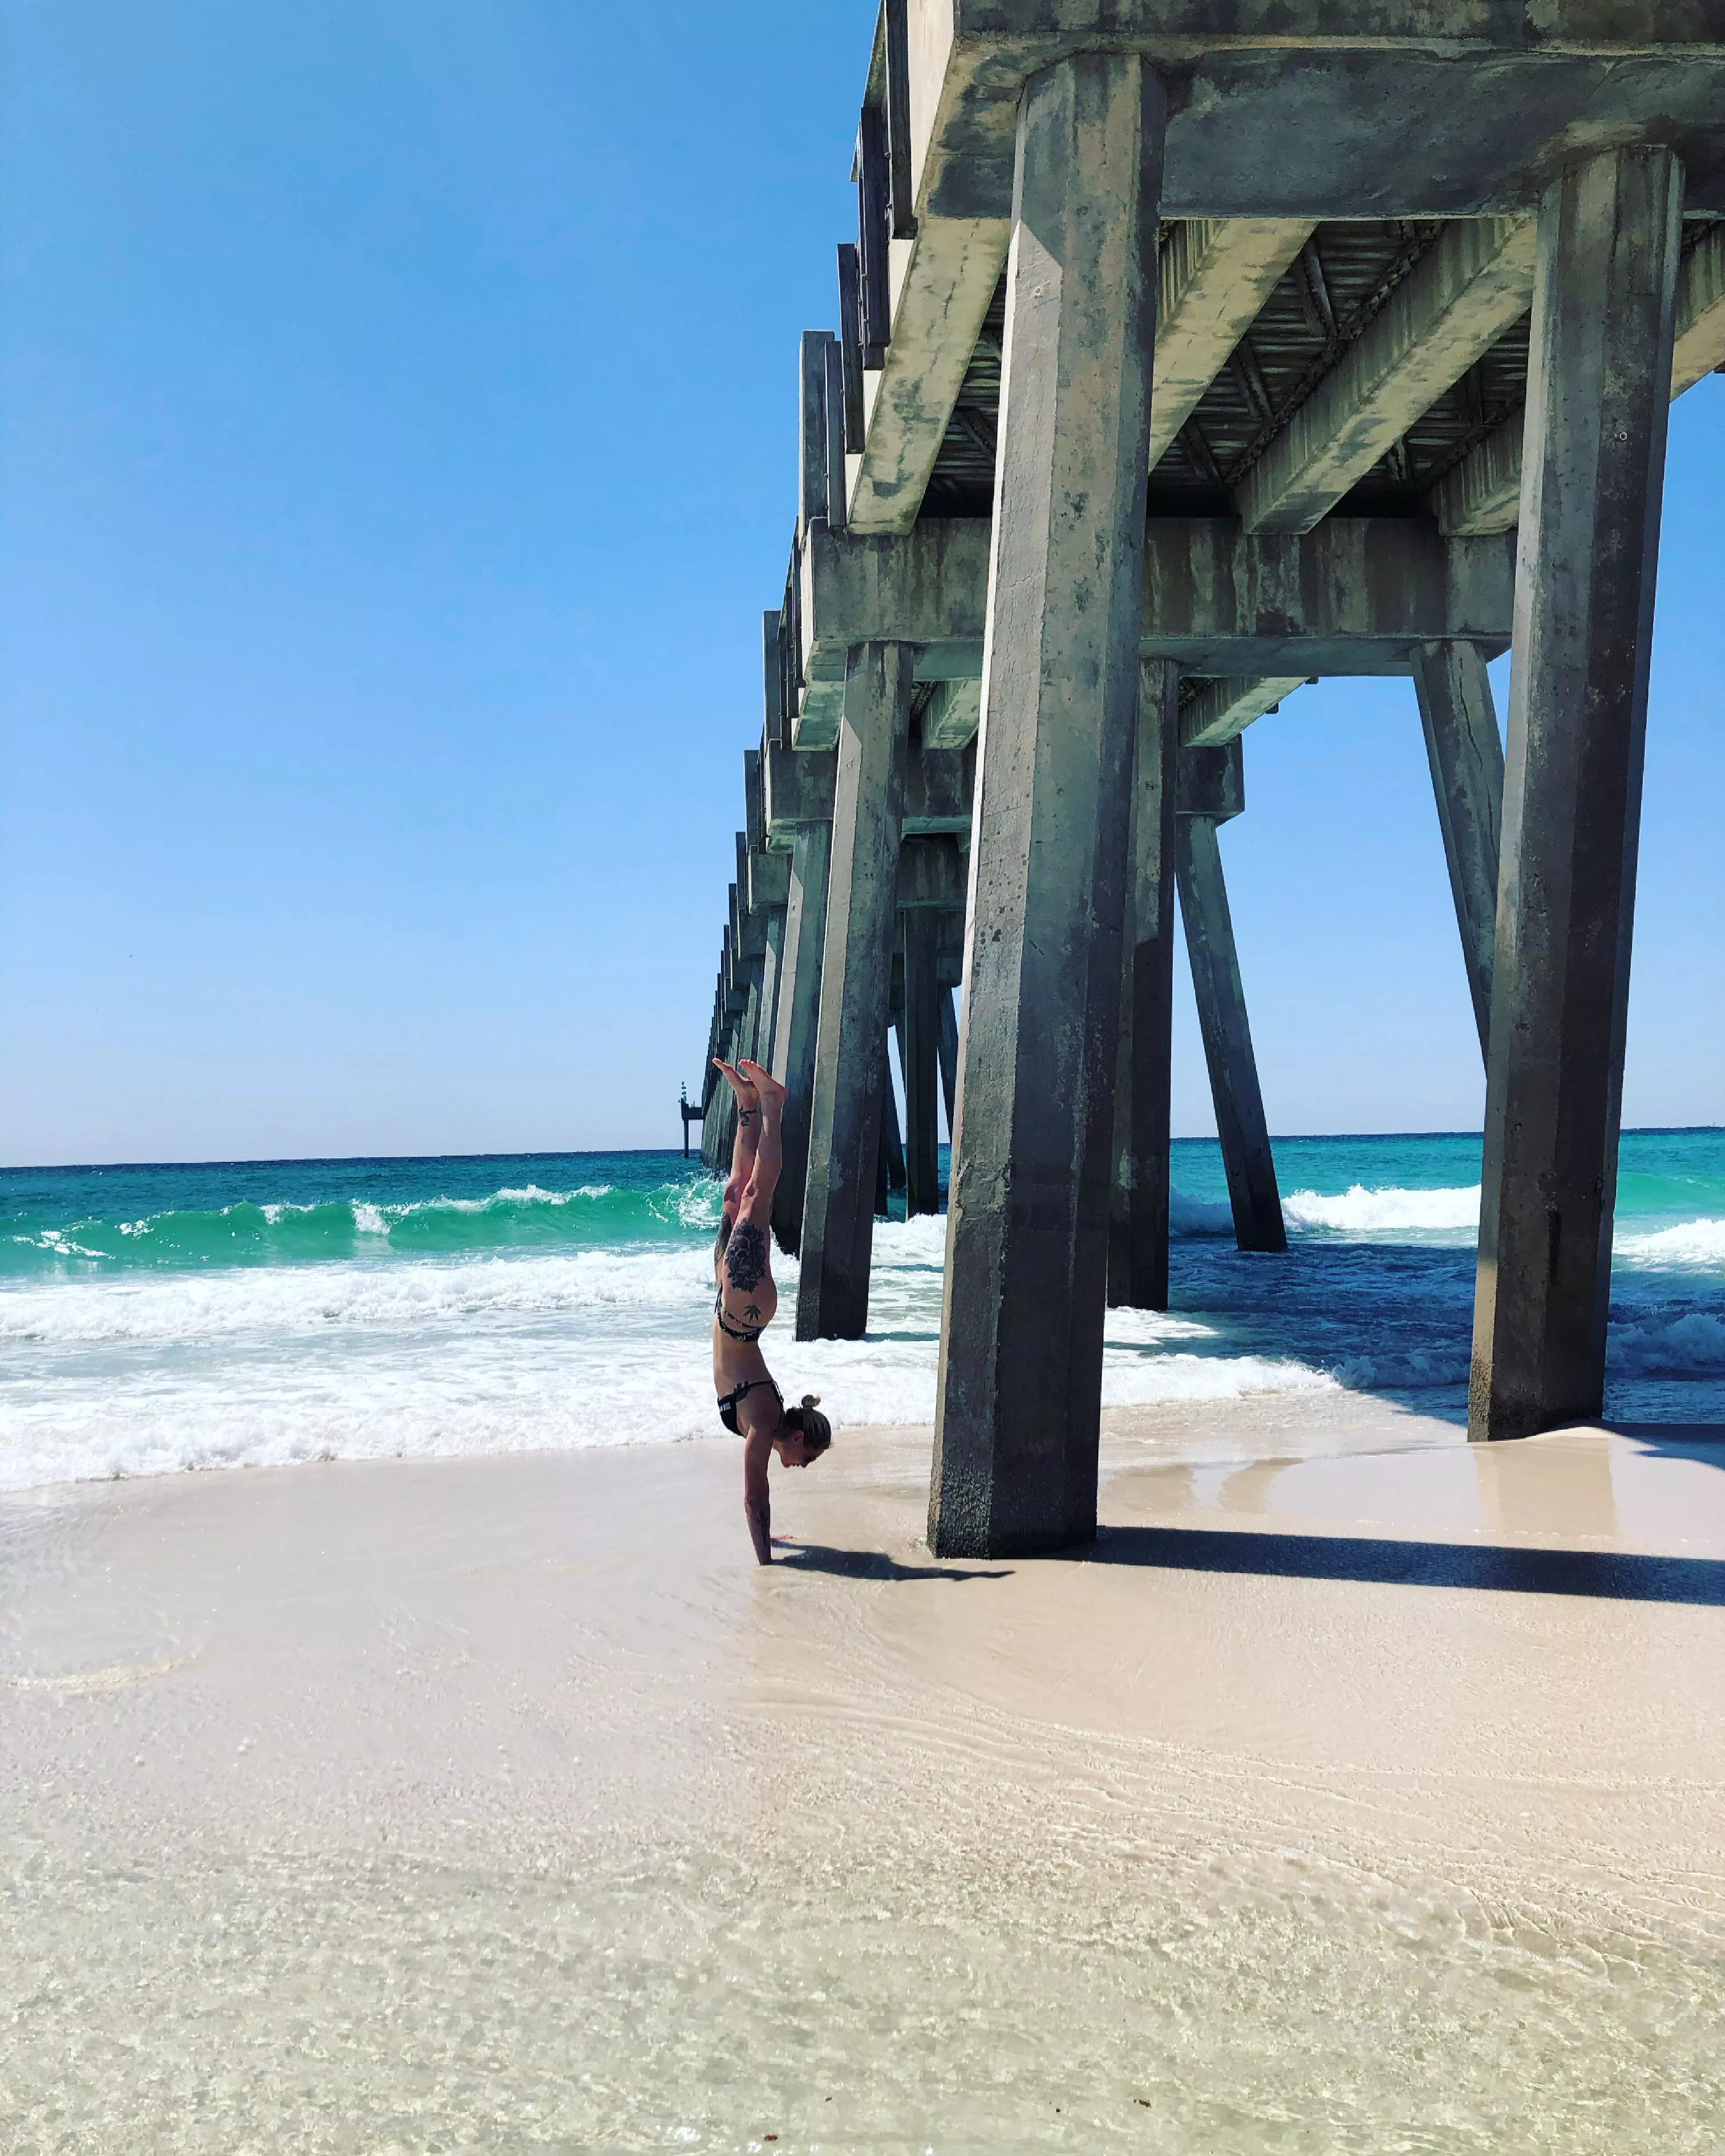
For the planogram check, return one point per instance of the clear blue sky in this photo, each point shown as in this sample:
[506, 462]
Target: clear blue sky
[397, 453]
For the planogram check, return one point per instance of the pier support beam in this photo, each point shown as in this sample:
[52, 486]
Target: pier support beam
[1466, 757]
[855, 994]
[920, 1052]
[748, 1027]
[889, 1159]
[949, 1058]
[772, 976]
[1240, 1124]
[1600, 369]
[797, 1024]
[1019, 1392]
[1138, 1223]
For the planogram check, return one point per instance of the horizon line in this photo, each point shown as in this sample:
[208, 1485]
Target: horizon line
[582, 1153]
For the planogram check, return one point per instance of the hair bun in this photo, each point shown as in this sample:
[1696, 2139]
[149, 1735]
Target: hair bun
[811, 1399]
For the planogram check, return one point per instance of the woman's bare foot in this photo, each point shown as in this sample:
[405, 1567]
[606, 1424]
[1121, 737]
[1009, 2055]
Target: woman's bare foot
[767, 1086]
[744, 1088]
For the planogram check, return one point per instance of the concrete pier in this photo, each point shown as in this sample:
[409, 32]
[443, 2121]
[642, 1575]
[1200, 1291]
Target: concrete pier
[1599, 366]
[772, 974]
[890, 1159]
[799, 1021]
[920, 941]
[1241, 1126]
[949, 1057]
[1020, 1372]
[855, 994]
[1138, 1218]
[1317, 266]
[1465, 753]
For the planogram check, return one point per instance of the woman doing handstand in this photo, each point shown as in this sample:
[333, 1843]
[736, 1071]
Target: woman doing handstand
[749, 1402]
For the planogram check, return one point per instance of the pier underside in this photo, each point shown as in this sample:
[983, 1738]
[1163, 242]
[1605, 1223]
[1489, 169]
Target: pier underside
[1177, 368]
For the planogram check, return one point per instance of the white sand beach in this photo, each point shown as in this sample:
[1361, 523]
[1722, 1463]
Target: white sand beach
[503, 1805]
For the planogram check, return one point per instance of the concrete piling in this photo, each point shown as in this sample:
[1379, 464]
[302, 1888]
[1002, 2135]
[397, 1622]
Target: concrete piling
[949, 1058]
[1138, 1214]
[920, 1057]
[889, 1161]
[1240, 1124]
[772, 975]
[855, 994]
[1019, 1390]
[1600, 372]
[1465, 753]
[798, 1020]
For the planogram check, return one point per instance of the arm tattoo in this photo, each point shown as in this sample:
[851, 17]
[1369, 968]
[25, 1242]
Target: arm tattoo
[746, 1258]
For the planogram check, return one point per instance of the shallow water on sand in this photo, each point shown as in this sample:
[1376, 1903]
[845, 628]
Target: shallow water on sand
[264, 1313]
[916, 1995]
[503, 1805]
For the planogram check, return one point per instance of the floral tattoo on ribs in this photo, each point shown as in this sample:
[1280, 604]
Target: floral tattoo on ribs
[746, 1260]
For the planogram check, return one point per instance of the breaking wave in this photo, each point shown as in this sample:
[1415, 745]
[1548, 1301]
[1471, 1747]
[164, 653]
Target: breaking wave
[1689, 1244]
[154, 1319]
[279, 1232]
[1360, 1212]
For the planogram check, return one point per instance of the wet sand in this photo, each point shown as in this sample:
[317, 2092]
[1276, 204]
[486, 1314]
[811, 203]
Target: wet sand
[1359, 1790]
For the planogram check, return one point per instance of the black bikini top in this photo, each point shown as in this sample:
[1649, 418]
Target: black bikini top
[727, 1405]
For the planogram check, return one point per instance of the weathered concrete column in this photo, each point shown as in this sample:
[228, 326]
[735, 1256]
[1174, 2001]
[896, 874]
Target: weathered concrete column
[889, 1155]
[1138, 1225]
[1240, 1124]
[855, 994]
[949, 1057]
[920, 1054]
[1600, 370]
[797, 1024]
[724, 1124]
[1019, 1392]
[1466, 758]
[772, 974]
[749, 1025]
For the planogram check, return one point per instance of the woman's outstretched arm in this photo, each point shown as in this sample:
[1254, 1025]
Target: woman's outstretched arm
[757, 1505]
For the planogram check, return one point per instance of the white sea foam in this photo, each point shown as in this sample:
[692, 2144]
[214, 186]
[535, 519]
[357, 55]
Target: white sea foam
[1147, 1381]
[1362, 1212]
[1689, 1244]
[1689, 1345]
[277, 1300]
[493, 1392]
[269, 1366]
[149, 1372]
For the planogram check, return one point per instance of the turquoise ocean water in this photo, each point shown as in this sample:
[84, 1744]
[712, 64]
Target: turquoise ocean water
[154, 1318]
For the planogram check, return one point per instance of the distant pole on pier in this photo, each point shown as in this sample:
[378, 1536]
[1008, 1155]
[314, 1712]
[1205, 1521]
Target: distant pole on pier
[690, 1114]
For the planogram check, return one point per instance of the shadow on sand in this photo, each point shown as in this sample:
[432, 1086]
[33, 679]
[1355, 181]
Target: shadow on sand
[1702, 1442]
[1608, 1575]
[872, 1564]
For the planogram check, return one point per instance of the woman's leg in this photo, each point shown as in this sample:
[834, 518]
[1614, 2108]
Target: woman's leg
[769, 1147]
[747, 1254]
[743, 1148]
